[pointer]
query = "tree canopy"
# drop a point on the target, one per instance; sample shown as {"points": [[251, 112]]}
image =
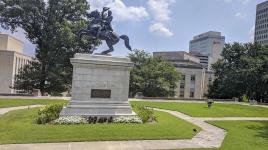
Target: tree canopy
{"points": [[52, 26], [153, 77], [243, 70]]}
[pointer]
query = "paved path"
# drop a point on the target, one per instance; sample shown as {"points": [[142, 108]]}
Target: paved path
{"points": [[264, 106], [210, 137], [232, 118], [36, 97], [5, 110]]}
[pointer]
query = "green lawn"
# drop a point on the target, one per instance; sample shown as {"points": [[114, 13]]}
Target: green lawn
{"points": [[217, 110], [19, 127], [243, 135], [24, 102]]}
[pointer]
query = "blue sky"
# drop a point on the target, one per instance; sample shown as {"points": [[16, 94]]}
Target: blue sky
{"points": [[169, 25]]}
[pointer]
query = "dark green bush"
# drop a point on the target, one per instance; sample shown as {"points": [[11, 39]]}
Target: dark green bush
{"points": [[244, 98], [146, 114], [49, 113]]}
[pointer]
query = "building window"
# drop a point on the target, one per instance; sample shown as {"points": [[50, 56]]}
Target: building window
{"points": [[192, 77], [182, 86], [182, 93], [182, 77], [191, 92], [192, 86]]}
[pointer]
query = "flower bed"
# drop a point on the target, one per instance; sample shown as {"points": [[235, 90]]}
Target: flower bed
{"points": [[126, 119], [70, 120]]}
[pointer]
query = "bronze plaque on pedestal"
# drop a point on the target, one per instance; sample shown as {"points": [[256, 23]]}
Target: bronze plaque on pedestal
{"points": [[100, 93]]}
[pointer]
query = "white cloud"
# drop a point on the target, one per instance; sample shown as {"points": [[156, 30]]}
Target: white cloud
{"points": [[121, 12], [251, 32], [160, 10], [160, 29], [241, 15], [98, 4]]}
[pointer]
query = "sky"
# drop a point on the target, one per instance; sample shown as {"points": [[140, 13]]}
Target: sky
{"points": [[169, 25]]}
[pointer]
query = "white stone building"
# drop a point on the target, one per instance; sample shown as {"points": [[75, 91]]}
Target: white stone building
{"points": [[195, 78], [11, 60], [195, 67]]}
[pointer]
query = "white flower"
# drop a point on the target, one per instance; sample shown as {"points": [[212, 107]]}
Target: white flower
{"points": [[127, 119], [70, 120]]}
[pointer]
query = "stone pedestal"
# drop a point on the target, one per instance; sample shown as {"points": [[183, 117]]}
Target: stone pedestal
{"points": [[100, 86]]}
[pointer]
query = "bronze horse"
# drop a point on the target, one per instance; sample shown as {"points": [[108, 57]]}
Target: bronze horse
{"points": [[100, 28], [111, 39]]}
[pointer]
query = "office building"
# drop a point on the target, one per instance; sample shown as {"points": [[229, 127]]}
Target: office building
{"points": [[195, 78], [11, 61], [261, 24], [207, 47]]}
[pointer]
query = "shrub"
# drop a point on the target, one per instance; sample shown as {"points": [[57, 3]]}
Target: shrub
{"points": [[244, 98], [70, 120], [146, 114], [125, 119], [49, 113]]}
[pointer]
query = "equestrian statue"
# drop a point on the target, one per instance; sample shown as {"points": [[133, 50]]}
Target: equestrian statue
{"points": [[100, 28]]}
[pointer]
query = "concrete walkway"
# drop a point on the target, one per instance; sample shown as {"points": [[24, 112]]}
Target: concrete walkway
{"points": [[210, 137], [5, 110], [232, 118], [36, 97], [264, 106]]}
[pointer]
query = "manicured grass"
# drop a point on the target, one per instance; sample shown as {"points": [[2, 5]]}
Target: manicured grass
{"points": [[19, 127], [243, 135], [24, 102], [217, 110]]}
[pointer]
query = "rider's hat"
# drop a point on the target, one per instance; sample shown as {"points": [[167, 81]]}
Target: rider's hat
{"points": [[106, 8]]}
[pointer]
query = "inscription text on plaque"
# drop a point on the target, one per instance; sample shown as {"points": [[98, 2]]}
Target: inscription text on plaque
{"points": [[100, 93]]}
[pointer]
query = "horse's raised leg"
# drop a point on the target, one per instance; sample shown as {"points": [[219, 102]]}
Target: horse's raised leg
{"points": [[111, 48]]}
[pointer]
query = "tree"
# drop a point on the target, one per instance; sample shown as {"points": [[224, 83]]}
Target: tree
{"points": [[52, 27], [154, 77], [25, 83], [243, 70]]}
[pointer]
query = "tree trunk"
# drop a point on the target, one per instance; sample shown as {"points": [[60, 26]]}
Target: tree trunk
{"points": [[42, 79], [43, 61]]}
